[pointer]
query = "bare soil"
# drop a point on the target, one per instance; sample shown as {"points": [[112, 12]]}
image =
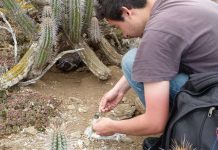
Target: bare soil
{"points": [[80, 93]]}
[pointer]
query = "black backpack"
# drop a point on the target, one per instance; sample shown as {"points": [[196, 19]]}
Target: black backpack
{"points": [[194, 115]]}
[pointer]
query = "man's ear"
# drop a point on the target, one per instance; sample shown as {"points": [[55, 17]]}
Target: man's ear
{"points": [[126, 12]]}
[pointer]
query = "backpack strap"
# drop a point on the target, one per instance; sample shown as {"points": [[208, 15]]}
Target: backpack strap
{"points": [[200, 81]]}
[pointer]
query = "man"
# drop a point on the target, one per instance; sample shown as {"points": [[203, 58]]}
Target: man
{"points": [[174, 33]]}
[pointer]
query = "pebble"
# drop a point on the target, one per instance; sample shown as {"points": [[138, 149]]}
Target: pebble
{"points": [[71, 107], [80, 144], [76, 100], [82, 109], [76, 135], [30, 130]]}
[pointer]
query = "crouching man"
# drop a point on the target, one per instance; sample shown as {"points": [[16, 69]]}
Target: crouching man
{"points": [[176, 35]]}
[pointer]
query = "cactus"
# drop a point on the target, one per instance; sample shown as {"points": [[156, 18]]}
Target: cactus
{"points": [[21, 18], [93, 63], [88, 14], [59, 141], [75, 20], [109, 51], [56, 9], [19, 71], [46, 41], [94, 30]]}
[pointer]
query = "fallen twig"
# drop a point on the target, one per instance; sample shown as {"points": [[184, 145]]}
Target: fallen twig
{"points": [[9, 29], [49, 66]]}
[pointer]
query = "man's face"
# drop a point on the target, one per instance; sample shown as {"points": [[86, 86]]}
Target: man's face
{"points": [[133, 22], [129, 30]]}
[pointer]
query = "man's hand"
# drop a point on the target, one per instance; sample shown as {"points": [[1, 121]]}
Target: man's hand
{"points": [[103, 127], [110, 100]]}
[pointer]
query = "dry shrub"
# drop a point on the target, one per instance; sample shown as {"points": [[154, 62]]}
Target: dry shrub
{"points": [[24, 109]]}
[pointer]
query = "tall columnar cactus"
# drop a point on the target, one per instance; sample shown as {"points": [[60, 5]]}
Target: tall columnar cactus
{"points": [[46, 41], [56, 10], [94, 30], [88, 14], [25, 22], [59, 141], [75, 20]]}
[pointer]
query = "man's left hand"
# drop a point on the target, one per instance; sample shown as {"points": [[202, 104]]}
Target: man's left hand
{"points": [[103, 127]]}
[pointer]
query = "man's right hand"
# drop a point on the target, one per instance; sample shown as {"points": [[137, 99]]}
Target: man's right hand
{"points": [[110, 100]]}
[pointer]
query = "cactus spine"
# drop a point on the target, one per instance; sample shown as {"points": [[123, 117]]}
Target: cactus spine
{"points": [[22, 19], [59, 141]]}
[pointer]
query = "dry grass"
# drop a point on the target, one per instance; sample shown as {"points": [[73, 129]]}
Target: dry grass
{"points": [[184, 145]]}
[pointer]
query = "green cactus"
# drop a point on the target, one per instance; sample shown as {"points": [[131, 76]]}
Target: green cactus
{"points": [[46, 41], [59, 141], [88, 14], [56, 9], [75, 20], [94, 30], [25, 22]]}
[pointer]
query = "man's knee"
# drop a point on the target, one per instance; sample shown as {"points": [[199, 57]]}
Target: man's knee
{"points": [[128, 59]]}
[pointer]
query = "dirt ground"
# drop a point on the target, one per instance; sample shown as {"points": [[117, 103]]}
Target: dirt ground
{"points": [[80, 92]]}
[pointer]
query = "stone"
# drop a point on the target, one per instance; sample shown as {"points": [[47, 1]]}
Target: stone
{"points": [[122, 111], [30, 130], [76, 135], [71, 107], [82, 109]]}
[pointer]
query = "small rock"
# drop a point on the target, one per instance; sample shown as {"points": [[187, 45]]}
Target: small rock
{"points": [[87, 142], [30, 130], [76, 135], [75, 100], [80, 143], [71, 107], [122, 111], [82, 109]]}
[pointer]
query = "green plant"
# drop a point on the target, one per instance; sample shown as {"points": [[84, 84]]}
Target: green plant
{"points": [[46, 41], [25, 22], [59, 141], [3, 96]]}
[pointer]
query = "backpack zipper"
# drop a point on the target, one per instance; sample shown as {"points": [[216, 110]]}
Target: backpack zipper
{"points": [[210, 112]]}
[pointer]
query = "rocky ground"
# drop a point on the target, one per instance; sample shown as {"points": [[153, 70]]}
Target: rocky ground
{"points": [[80, 93]]}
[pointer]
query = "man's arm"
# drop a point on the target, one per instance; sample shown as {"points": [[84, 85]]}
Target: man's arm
{"points": [[153, 121]]}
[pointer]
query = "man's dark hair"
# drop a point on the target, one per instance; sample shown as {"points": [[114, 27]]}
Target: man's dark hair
{"points": [[111, 9]]}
